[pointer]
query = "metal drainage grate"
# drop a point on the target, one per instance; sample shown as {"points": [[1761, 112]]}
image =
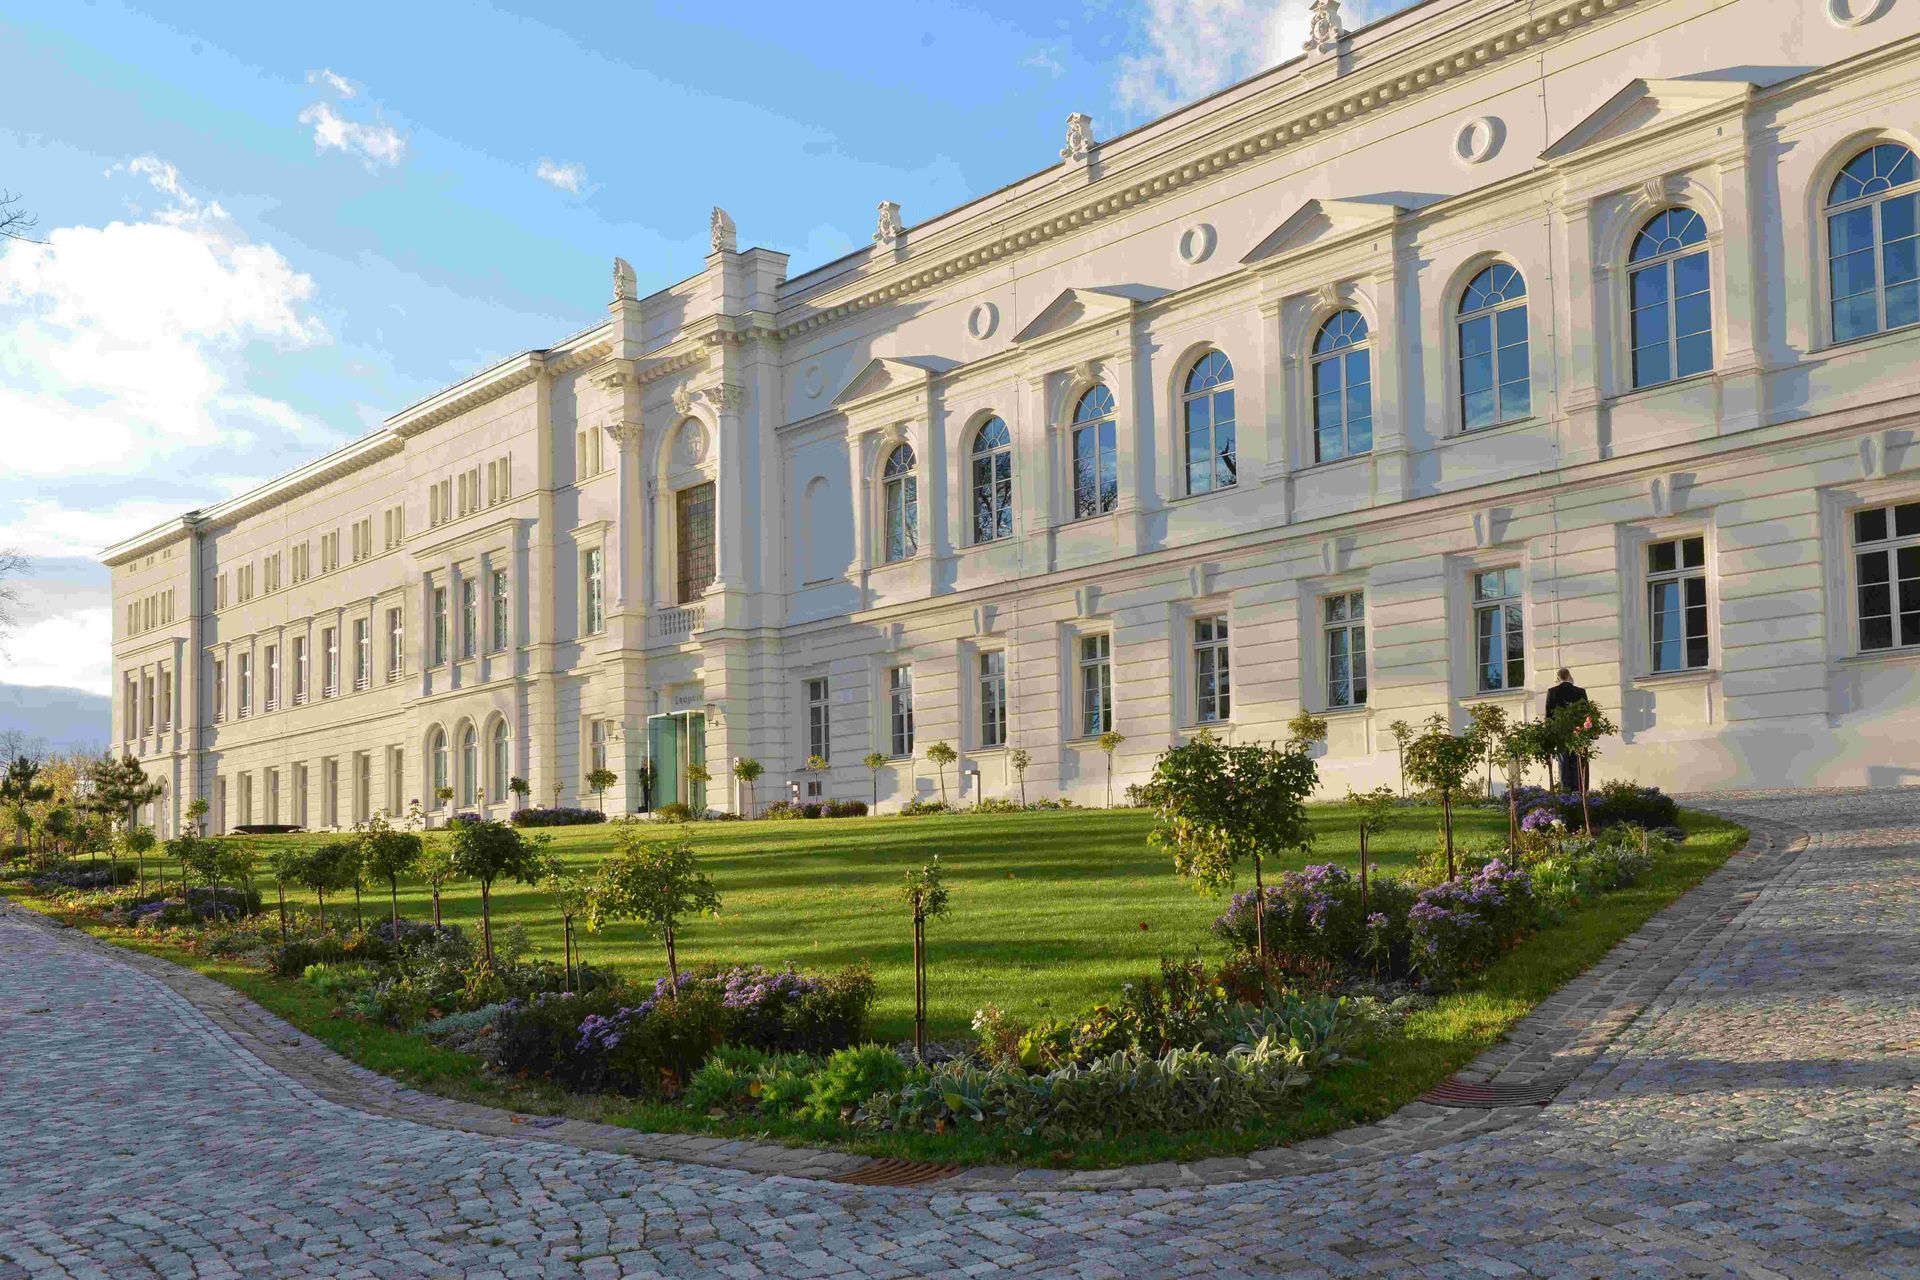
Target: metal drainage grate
{"points": [[1503, 1093], [889, 1172]]}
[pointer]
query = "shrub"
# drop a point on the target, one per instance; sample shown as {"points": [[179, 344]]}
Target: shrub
{"points": [[782, 811], [658, 1052], [557, 817], [338, 979], [106, 875], [737, 1080], [916, 808], [1614, 804], [846, 809], [996, 804], [852, 1076], [1317, 930], [541, 1037], [674, 812], [292, 960], [1461, 925]]}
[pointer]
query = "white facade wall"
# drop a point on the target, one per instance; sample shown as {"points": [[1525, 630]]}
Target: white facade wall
{"points": [[1381, 176]]}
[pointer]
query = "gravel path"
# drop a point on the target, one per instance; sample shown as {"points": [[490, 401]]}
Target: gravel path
{"points": [[1747, 1103]]}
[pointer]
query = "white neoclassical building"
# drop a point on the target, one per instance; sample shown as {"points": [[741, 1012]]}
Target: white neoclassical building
{"points": [[1493, 338]]}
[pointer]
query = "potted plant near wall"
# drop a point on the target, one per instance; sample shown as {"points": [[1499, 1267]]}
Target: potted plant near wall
{"points": [[520, 788], [747, 771]]}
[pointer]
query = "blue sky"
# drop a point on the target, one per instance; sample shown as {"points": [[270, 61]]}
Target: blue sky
{"points": [[268, 227]]}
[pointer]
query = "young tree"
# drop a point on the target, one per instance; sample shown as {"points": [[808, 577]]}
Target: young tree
{"points": [[697, 776], [600, 782], [1443, 760], [1524, 742], [388, 852], [942, 754], [196, 814], [1306, 729], [488, 851], [1109, 742], [1020, 759], [748, 770], [139, 842], [1578, 728], [570, 892], [1217, 805], [235, 867], [657, 885], [1487, 726], [1402, 735], [875, 762], [1372, 809], [120, 787], [925, 894], [815, 767], [520, 787], [21, 787], [332, 867], [436, 867], [285, 866], [443, 796]]}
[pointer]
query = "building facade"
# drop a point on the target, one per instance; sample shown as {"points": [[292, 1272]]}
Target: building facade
{"points": [[1491, 339]]}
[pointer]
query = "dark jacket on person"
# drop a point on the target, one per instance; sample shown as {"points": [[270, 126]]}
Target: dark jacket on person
{"points": [[1564, 694]]}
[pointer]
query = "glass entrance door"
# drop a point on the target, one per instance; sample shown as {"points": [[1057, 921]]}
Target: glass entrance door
{"points": [[676, 742]]}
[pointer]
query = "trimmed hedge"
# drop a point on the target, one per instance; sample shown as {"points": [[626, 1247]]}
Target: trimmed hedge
{"points": [[561, 817]]}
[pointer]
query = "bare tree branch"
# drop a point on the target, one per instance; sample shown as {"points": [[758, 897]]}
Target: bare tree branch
{"points": [[12, 566], [16, 222]]}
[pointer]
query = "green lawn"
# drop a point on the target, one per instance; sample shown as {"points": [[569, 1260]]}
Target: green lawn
{"points": [[821, 893], [1051, 912]]}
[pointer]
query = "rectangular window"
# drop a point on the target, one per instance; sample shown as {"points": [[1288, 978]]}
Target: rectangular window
{"points": [[469, 617], [330, 792], [362, 786], [396, 779], [693, 541], [1677, 604], [273, 676], [595, 584], [272, 780], [299, 795], [299, 670], [362, 653], [597, 751], [1886, 565], [219, 690], [819, 720], [1499, 630], [147, 696], [245, 675], [1346, 648], [329, 663], [1096, 685], [439, 625], [1212, 696], [1096, 469], [993, 699], [166, 701], [499, 594], [220, 592], [396, 641], [900, 710]]}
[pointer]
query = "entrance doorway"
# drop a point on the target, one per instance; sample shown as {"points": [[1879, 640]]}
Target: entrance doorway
{"points": [[677, 741]]}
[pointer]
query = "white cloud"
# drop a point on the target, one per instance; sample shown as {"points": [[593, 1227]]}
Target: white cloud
{"points": [[1189, 48], [1043, 60], [122, 346], [73, 650], [42, 528], [375, 144], [567, 177], [334, 81]]}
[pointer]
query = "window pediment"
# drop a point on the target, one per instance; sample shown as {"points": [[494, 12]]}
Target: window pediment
{"points": [[884, 374], [1645, 104], [1319, 220], [1078, 306]]}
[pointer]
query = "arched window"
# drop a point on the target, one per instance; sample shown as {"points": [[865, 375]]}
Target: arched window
{"points": [[992, 481], [437, 753], [1206, 416], [1096, 469], [469, 767], [1670, 298], [1342, 388], [1494, 384], [900, 499], [1873, 258], [502, 763]]}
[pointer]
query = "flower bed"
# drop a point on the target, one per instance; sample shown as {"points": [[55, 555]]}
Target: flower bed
{"points": [[557, 817]]}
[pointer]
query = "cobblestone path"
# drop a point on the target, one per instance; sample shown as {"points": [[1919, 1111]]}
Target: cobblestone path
{"points": [[1759, 1117]]}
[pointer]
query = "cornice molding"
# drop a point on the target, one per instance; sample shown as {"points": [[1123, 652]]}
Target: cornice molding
{"points": [[1335, 105]]}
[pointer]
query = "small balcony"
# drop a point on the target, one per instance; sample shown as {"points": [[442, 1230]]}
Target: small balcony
{"points": [[680, 622]]}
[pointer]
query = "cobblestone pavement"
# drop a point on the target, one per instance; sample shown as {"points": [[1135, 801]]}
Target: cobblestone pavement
{"points": [[1757, 1115]]}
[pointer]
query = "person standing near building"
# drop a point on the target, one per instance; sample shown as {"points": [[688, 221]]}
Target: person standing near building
{"points": [[1565, 694]]}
